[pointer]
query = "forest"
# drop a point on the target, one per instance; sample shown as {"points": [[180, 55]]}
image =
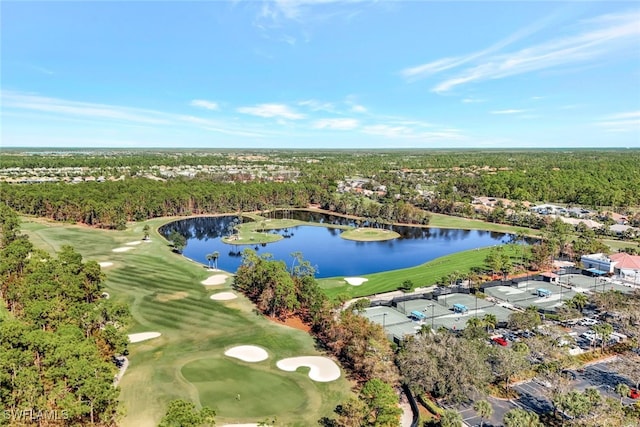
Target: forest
{"points": [[59, 340], [432, 181]]}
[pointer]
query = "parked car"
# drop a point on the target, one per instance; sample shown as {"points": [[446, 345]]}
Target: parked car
{"points": [[634, 393], [588, 322], [499, 340]]}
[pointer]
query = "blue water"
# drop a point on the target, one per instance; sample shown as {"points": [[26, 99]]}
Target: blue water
{"points": [[327, 252]]}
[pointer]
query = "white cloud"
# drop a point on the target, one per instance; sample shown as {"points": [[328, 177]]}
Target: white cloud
{"points": [[621, 122], [272, 110], [336, 124], [509, 111], [42, 108], [315, 105], [472, 100], [394, 131], [32, 102], [209, 105], [359, 108], [443, 64], [602, 36]]}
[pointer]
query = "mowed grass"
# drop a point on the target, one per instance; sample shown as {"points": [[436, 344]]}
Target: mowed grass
{"points": [[369, 234], [188, 360], [423, 275], [447, 221]]}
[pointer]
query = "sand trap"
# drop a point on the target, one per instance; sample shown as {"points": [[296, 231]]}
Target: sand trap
{"points": [[147, 241], [123, 249], [355, 281], [143, 336], [106, 295], [172, 297], [247, 353], [104, 264], [137, 242], [223, 296], [321, 369], [216, 279]]}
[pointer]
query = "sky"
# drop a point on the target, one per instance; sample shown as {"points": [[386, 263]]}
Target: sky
{"points": [[320, 74]]}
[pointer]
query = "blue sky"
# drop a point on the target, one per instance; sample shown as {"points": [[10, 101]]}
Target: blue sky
{"points": [[320, 73]]}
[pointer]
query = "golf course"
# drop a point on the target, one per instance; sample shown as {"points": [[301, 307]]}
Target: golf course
{"points": [[165, 294]]}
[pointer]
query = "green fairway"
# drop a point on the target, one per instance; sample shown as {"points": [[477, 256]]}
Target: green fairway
{"points": [[447, 221], [164, 293], [423, 275]]}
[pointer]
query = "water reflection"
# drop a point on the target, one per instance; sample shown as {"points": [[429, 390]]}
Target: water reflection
{"points": [[323, 247]]}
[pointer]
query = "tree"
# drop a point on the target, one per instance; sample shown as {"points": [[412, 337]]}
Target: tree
{"points": [[484, 410], [181, 413], [451, 418], [214, 256], [382, 404], [490, 321], [145, 230], [604, 330], [528, 320], [178, 241], [520, 418], [573, 404], [622, 390], [508, 362]]}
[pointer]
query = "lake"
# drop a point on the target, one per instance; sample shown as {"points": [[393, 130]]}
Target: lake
{"points": [[323, 247]]}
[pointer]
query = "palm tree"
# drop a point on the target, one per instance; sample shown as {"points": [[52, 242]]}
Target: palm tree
{"points": [[215, 257], [579, 301], [209, 259], [490, 321], [474, 322], [604, 330], [145, 230], [484, 409], [451, 418], [623, 390], [520, 418]]}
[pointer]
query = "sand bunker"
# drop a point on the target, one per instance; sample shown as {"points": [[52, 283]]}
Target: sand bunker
{"points": [[122, 249], [247, 353], [223, 296], [172, 297], [104, 264], [216, 279], [355, 281], [321, 369], [137, 242], [143, 336]]}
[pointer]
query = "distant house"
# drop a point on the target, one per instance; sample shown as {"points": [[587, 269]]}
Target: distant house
{"points": [[546, 209]]}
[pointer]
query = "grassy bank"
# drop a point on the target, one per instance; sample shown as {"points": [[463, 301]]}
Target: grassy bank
{"points": [[423, 275], [164, 293]]}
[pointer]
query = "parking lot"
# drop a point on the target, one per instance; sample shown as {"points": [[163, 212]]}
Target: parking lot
{"points": [[535, 396]]}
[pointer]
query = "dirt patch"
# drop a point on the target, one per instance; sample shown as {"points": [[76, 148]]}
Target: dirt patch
{"points": [[172, 297], [293, 322]]}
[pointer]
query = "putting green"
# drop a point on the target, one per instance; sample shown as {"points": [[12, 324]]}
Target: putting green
{"points": [[219, 383], [369, 234]]}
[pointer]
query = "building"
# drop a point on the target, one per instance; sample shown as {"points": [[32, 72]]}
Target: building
{"points": [[627, 266], [600, 262]]}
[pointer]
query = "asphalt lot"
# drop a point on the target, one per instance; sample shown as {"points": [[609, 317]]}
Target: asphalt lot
{"points": [[533, 395]]}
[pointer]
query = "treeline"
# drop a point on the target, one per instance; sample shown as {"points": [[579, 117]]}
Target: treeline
{"points": [[360, 345], [59, 338], [416, 182], [111, 204]]}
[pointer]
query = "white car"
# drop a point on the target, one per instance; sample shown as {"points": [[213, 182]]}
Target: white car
{"points": [[588, 322]]}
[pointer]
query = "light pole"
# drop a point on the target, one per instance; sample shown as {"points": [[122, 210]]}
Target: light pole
{"points": [[432, 306], [384, 317]]}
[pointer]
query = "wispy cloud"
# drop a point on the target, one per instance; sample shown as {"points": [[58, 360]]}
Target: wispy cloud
{"points": [[509, 111], [209, 105], [621, 122], [408, 132], [42, 107], [280, 111], [437, 66], [315, 105], [359, 108], [336, 124], [31, 102], [472, 100], [604, 35]]}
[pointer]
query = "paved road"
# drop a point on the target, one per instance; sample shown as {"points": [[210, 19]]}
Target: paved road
{"points": [[500, 407]]}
